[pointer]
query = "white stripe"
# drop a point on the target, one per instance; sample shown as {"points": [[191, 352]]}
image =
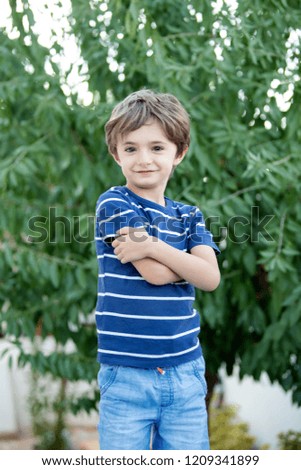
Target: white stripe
{"points": [[201, 225], [150, 209], [107, 255], [153, 356], [142, 297], [173, 217], [113, 235], [121, 276], [109, 235], [182, 205], [116, 215], [168, 231], [146, 317], [129, 335], [110, 199]]}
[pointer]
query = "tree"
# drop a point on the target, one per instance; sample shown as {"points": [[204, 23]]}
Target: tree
{"points": [[236, 68]]}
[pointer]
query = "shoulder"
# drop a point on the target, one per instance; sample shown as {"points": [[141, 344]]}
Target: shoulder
{"points": [[116, 194], [114, 191], [183, 208]]}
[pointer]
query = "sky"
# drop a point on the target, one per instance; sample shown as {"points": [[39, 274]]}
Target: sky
{"points": [[52, 24]]}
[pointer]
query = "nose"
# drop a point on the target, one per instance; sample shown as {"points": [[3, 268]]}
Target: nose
{"points": [[144, 157]]}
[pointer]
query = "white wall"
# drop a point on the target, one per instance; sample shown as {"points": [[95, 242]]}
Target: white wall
{"points": [[266, 408], [14, 415], [8, 423]]}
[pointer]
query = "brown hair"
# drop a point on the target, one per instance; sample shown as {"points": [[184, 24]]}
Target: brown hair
{"points": [[141, 106]]}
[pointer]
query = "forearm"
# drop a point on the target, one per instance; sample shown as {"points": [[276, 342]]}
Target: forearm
{"points": [[193, 269], [131, 246], [155, 272], [199, 267]]}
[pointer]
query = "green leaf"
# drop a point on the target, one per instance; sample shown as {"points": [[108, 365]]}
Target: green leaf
{"points": [[54, 274]]}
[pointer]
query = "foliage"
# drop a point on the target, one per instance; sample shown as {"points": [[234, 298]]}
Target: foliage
{"points": [[230, 64], [290, 440], [227, 432], [48, 415]]}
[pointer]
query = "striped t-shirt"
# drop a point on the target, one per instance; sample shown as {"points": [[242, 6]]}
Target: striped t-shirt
{"points": [[140, 324]]}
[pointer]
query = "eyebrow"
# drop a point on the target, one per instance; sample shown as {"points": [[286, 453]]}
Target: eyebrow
{"points": [[135, 143]]}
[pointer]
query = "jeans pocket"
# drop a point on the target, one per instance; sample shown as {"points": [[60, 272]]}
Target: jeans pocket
{"points": [[106, 377], [199, 372]]}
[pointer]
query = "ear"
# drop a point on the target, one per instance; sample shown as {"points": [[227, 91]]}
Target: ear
{"points": [[180, 157], [116, 158]]}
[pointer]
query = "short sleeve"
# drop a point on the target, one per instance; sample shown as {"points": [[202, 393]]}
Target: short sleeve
{"points": [[113, 213], [198, 233]]}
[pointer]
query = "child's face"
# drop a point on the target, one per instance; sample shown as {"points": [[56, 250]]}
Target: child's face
{"points": [[147, 158]]}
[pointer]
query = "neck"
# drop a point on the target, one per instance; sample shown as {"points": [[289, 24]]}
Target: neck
{"points": [[156, 196]]}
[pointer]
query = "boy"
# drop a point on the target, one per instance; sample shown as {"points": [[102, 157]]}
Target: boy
{"points": [[152, 252]]}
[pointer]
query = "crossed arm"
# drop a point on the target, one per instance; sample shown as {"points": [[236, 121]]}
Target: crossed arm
{"points": [[160, 263]]}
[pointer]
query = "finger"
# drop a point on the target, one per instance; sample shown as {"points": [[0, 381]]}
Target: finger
{"points": [[120, 257], [117, 251], [123, 231], [115, 243]]}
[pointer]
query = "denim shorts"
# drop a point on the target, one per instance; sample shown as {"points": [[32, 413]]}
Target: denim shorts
{"points": [[144, 409]]}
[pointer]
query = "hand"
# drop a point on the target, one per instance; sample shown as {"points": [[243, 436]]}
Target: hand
{"points": [[132, 244]]}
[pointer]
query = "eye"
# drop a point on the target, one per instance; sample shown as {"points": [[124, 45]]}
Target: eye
{"points": [[157, 148], [129, 149]]}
